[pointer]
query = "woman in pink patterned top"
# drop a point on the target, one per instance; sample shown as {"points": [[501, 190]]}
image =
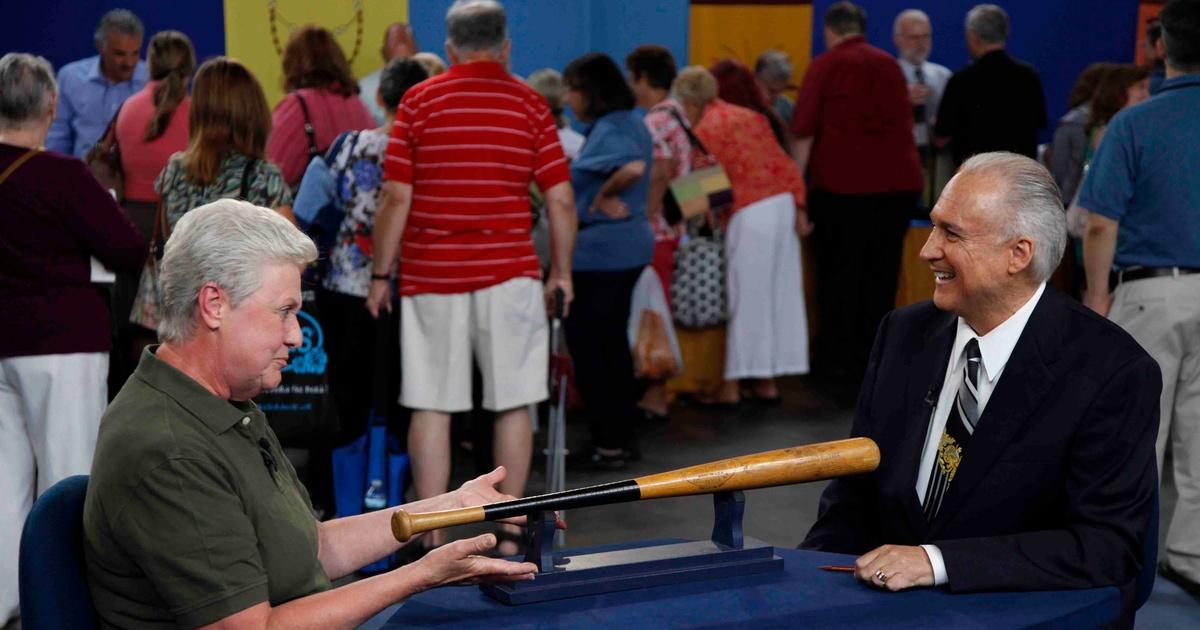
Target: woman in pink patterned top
{"points": [[651, 71], [767, 333]]}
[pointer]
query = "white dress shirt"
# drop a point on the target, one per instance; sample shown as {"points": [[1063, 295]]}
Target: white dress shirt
{"points": [[995, 348], [936, 78]]}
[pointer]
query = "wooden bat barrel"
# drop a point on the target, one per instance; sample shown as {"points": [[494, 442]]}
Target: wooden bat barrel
{"points": [[797, 464]]}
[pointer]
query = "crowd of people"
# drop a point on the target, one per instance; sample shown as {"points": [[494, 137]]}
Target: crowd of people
{"points": [[431, 168]]}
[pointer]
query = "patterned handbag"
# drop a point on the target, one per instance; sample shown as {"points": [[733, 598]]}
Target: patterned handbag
{"points": [[144, 312], [698, 298], [145, 303], [704, 189]]}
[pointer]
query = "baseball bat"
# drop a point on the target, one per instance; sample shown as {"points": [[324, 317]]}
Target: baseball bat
{"points": [[812, 462]]}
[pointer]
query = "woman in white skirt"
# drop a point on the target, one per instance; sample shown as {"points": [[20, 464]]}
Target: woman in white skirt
{"points": [[767, 334]]}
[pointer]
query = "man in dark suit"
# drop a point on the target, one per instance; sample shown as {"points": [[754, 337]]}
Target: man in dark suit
{"points": [[994, 104], [1016, 427]]}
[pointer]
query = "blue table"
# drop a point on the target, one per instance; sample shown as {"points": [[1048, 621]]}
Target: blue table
{"points": [[802, 595]]}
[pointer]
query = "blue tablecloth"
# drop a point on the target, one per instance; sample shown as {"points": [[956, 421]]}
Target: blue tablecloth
{"points": [[800, 595]]}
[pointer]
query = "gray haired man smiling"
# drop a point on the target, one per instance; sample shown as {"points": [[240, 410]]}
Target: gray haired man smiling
{"points": [[1016, 426]]}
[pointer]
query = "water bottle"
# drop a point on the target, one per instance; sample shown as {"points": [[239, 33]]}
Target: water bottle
{"points": [[374, 499]]}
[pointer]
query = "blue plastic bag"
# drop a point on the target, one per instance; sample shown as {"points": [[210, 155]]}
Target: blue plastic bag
{"points": [[370, 473]]}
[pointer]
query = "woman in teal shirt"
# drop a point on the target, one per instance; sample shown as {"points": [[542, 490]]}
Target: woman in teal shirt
{"points": [[615, 243]]}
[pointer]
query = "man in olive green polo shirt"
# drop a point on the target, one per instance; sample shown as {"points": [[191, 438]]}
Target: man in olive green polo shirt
{"points": [[193, 516]]}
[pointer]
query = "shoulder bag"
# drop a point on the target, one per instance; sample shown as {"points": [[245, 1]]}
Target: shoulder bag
{"points": [[104, 160], [16, 164], [144, 312], [319, 206], [701, 190]]}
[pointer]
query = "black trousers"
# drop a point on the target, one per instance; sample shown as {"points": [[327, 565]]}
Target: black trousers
{"points": [[364, 374], [121, 359], [364, 361], [857, 243], [599, 343]]}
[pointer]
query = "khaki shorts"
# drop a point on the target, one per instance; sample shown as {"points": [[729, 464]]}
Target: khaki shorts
{"points": [[503, 327]]}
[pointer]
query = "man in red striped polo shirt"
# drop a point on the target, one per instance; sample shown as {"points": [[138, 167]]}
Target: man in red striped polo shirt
{"points": [[464, 148]]}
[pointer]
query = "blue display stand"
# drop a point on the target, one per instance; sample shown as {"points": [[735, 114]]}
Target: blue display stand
{"points": [[562, 575]]}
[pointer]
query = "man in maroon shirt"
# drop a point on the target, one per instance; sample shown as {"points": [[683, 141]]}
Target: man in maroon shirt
{"points": [[853, 124]]}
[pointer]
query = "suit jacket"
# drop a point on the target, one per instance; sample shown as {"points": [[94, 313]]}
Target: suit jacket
{"points": [[1056, 487], [994, 104]]}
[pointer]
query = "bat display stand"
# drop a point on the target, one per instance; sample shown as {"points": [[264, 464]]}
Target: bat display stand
{"points": [[563, 575]]}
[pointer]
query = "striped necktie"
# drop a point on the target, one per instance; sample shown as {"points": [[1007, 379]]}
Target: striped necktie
{"points": [[960, 425]]}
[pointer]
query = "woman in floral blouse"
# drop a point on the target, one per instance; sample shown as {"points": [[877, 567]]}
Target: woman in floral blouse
{"points": [[228, 127], [767, 333], [352, 337]]}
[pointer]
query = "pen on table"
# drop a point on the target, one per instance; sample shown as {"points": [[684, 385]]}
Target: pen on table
{"points": [[837, 567]]}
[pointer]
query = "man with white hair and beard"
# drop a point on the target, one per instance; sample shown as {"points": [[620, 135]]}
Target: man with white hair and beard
{"points": [[1016, 427], [912, 33]]}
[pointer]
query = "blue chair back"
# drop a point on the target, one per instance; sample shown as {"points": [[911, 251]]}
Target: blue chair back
{"points": [[52, 579], [1145, 579]]}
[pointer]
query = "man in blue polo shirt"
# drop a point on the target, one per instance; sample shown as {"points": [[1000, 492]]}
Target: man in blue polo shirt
{"points": [[1143, 191], [91, 90]]}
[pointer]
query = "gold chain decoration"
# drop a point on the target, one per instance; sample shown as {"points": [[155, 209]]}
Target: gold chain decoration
{"points": [[275, 15]]}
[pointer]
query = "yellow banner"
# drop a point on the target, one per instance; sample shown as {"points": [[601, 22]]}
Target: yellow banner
{"points": [[744, 31], [256, 32]]}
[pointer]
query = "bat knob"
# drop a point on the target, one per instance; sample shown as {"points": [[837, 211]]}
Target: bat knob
{"points": [[402, 526]]}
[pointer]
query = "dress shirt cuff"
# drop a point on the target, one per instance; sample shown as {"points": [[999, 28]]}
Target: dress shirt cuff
{"points": [[939, 565]]}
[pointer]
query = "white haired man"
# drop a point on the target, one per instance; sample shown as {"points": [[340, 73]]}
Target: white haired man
{"points": [[912, 32], [464, 148], [1016, 426], [193, 516]]}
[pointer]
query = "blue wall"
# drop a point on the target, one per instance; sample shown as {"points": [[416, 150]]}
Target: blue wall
{"points": [[550, 33], [545, 33], [61, 30], [1059, 37]]}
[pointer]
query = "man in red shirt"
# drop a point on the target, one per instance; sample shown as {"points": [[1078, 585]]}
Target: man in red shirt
{"points": [[854, 119], [463, 150]]}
